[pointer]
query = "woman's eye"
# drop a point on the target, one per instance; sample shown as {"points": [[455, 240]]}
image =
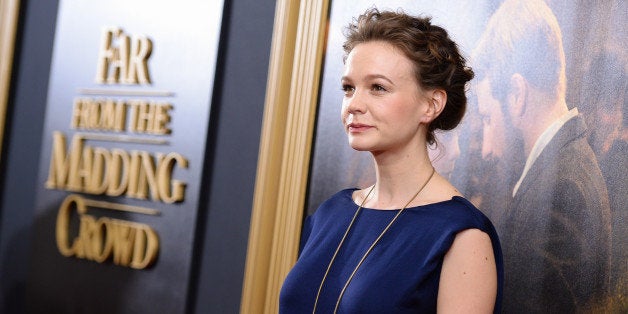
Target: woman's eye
{"points": [[347, 88], [378, 88]]}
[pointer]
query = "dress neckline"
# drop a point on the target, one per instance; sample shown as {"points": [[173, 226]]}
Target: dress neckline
{"points": [[350, 191]]}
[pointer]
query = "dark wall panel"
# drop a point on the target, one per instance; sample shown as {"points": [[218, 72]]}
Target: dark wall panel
{"points": [[23, 136], [233, 145], [239, 104]]}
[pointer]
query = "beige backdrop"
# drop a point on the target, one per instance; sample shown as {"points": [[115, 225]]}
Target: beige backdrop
{"points": [[592, 35]]}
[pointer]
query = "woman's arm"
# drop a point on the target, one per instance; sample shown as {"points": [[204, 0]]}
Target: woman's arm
{"points": [[468, 279]]}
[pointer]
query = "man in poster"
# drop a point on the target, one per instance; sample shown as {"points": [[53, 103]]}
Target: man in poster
{"points": [[555, 232]]}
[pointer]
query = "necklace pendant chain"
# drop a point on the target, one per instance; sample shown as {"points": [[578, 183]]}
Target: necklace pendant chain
{"points": [[368, 251]]}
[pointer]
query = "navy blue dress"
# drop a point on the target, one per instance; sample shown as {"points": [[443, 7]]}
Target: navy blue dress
{"points": [[400, 275]]}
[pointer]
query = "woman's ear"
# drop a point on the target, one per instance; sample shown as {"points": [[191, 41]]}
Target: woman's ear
{"points": [[436, 101]]}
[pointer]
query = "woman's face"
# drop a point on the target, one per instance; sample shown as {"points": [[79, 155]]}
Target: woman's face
{"points": [[383, 106]]}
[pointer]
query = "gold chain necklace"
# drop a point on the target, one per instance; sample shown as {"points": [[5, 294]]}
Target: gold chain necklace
{"points": [[344, 288]]}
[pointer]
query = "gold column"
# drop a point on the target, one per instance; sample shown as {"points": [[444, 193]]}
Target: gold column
{"points": [[8, 23], [284, 158]]}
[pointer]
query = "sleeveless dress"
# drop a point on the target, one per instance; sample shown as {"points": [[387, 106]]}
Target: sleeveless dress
{"points": [[402, 272]]}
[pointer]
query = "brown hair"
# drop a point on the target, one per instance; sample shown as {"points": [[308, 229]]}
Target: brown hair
{"points": [[437, 61]]}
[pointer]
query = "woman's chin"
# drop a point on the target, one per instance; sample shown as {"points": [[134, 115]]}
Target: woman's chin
{"points": [[361, 147]]}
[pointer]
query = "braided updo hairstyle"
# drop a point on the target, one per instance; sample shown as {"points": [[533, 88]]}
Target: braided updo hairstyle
{"points": [[437, 61]]}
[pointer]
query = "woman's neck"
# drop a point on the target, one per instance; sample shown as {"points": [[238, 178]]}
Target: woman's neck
{"points": [[398, 177]]}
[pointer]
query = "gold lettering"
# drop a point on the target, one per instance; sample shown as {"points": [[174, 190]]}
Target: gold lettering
{"points": [[64, 172], [96, 170], [119, 116], [111, 55], [151, 118], [118, 176], [138, 66], [123, 61], [162, 119], [134, 174], [63, 225], [80, 179], [165, 181], [142, 120], [99, 114], [101, 243], [124, 237], [84, 238], [127, 243], [119, 61], [146, 177], [59, 164], [105, 54], [97, 183], [145, 247], [79, 115]]}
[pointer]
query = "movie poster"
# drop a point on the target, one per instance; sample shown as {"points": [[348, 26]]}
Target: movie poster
{"points": [[120, 176], [549, 171]]}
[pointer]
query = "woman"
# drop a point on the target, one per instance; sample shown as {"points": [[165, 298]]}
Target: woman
{"points": [[410, 242]]}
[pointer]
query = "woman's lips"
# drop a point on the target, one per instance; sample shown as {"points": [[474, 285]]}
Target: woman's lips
{"points": [[357, 127]]}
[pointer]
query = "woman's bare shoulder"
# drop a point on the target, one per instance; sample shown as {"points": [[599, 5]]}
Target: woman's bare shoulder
{"points": [[439, 190], [468, 277]]}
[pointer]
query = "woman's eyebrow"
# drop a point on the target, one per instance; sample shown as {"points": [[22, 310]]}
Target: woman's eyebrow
{"points": [[369, 77]]}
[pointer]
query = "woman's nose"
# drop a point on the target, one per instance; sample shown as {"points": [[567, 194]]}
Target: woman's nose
{"points": [[355, 103]]}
